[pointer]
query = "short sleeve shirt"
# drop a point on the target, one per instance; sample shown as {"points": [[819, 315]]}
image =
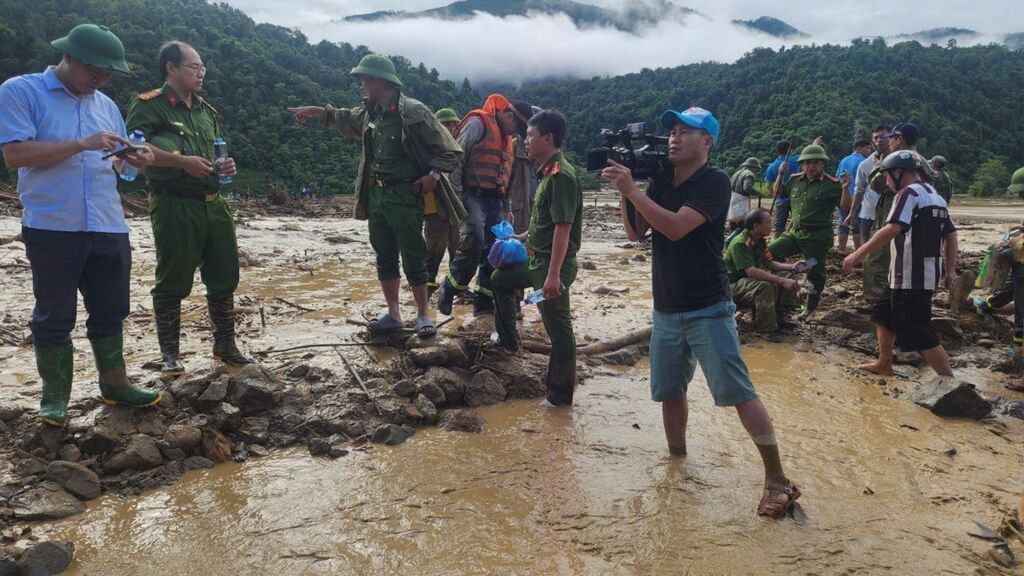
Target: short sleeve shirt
{"points": [[744, 252], [814, 201], [772, 172], [915, 260], [77, 194], [689, 274], [850, 165], [559, 199]]}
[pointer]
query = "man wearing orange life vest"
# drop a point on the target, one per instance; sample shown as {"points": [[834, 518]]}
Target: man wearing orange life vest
{"points": [[486, 139]]}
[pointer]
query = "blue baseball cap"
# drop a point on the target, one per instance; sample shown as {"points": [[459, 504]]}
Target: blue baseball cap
{"points": [[695, 117]]}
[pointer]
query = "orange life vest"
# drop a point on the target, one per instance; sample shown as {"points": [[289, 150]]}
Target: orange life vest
{"points": [[489, 164]]}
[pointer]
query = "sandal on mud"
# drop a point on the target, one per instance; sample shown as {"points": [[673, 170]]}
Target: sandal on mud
{"points": [[383, 325], [425, 328], [1015, 385], [777, 508]]}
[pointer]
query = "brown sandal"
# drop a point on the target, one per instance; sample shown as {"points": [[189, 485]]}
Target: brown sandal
{"points": [[777, 508]]}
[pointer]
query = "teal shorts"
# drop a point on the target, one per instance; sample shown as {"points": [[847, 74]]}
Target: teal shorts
{"points": [[707, 337]]}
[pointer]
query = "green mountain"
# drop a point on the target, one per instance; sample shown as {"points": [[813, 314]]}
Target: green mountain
{"points": [[1015, 41], [938, 35], [633, 18], [772, 27], [255, 72], [965, 100]]}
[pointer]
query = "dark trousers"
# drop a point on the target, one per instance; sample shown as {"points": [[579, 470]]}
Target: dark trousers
{"points": [[1012, 291], [485, 209], [556, 314], [779, 219], [65, 263]]}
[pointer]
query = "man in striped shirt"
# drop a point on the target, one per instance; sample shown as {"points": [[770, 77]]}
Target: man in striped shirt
{"points": [[923, 239]]}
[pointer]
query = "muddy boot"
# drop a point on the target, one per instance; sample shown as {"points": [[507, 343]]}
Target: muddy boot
{"points": [[446, 297], [168, 334], [114, 384], [222, 316], [56, 369], [960, 291], [809, 306]]}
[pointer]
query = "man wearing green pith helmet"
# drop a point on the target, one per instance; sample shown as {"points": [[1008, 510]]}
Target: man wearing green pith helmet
{"points": [[57, 129]]}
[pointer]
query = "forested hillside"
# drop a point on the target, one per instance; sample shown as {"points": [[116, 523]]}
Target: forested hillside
{"points": [[255, 72]]}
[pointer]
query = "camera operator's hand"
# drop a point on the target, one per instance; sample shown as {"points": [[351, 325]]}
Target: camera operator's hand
{"points": [[619, 176]]}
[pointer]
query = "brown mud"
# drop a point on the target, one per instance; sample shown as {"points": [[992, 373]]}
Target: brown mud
{"points": [[889, 487]]}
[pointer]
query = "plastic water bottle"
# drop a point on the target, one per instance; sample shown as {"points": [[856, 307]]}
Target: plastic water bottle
{"points": [[129, 172], [220, 153], [537, 296]]}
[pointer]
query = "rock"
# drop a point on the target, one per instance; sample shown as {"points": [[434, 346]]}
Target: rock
{"points": [[173, 454], [411, 412], [351, 428], [949, 397], [606, 290], [461, 421], [404, 388], [947, 327], [247, 260], [588, 265], [258, 451], [190, 387], [184, 436], [376, 383], [392, 434], [433, 393], [1014, 408], [484, 389], [639, 258], [318, 446], [9, 568], [339, 239], [430, 356], [627, 356], [10, 412], [226, 417], [251, 390], [198, 463], [69, 453], [47, 558], [215, 446], [141, 453], [453, 386], [426, 408], [40, 503], [337, 452], [986, 342], [298, 371], [842, 317], [75, 478], [98, 441], [214, 394], [45, 437], [254, 430]]}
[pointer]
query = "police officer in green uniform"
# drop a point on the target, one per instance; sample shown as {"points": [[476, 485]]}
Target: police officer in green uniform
{"points": [[552, 240], [406, 155], [815, 196], [192, 224], [943, 181], [750, 267]]}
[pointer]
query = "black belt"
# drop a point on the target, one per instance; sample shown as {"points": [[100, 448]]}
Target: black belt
{"points": [[197, 195], [390, 183]]}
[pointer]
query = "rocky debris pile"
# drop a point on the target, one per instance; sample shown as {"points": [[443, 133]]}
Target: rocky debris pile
{"points": [[37, 559]]}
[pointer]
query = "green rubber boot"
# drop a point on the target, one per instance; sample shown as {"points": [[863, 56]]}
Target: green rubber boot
{"points": [[114, 385], [56, 368]]}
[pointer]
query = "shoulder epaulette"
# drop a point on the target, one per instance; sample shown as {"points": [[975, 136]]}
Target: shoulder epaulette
{"points": [[147, 96], [798, 175], [207, 104], [553, 170]]}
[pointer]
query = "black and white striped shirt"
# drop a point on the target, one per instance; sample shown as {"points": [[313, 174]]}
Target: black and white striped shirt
{"points": [[915, 261]]}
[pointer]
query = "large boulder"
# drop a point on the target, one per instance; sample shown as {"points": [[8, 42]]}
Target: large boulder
{"points": [[842, 317], [392, 434], [433, 393], [141, 453], [45, 503], [75, 478], [949, 397], [251, 390], [453, 385], [98, 441], [46, 558], [484, 389]]}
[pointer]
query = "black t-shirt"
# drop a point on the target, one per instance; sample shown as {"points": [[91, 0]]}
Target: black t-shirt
{"points": [[689, 274]]}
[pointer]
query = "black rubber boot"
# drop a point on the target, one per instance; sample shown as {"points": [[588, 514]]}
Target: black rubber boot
{"points": [[168, 334], [222, 316]]}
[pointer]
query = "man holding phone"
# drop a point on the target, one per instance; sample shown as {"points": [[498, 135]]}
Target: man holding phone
{"points": [[73, 226], [192, 224]]}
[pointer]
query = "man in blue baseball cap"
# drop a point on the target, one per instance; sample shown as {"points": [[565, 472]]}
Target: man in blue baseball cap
{"points": [[685, 208]]}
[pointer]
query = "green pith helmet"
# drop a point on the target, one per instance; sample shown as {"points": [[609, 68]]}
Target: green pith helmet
{"points": [[752, 163], [1017, 182], [94, 45], [939, 161], [812, 152], [445, 115], [377, 66]]}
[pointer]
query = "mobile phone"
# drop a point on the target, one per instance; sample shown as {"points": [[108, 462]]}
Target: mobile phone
{"points": [[122, 151]]}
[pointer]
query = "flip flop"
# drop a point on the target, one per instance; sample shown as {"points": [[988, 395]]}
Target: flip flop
{"points": [[425, 328], [775, 508], [1015, 385], [384, 325]]}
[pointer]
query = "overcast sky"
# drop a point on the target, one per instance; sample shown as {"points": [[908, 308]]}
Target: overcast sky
{"points": [[538, 46]]}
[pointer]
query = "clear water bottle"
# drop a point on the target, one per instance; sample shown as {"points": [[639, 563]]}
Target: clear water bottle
{"points": [[127, 171], [220, 154], [537, 296]]}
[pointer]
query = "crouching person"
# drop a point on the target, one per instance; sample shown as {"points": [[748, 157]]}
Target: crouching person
{"points": [[553, 239]]}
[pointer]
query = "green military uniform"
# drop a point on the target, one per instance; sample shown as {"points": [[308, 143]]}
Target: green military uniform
{"points": [[439, 232], [768, 300], [813, 203], [944, 185], [400, 144], [192, 224], [559, 198]]}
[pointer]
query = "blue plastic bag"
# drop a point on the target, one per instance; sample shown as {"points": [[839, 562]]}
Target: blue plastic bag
{"points": [[507, 250]]}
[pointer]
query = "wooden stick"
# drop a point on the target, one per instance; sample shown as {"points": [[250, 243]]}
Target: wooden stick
{"points": [[294, 305], [616, 343], [359, 381], [304, 346]]}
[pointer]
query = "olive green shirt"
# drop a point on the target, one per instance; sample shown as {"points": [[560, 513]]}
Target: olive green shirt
{"points": [[173, 126], [813, 201], [877, 182], [388, 158], [559, 198], [744, 252]]}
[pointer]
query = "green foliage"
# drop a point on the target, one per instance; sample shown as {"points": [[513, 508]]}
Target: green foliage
{"points": [[771, 26], [991, 179], [255, 72], [966, 100]]}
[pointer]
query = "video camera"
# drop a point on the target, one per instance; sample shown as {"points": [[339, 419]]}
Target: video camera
{"points": [[644, 162]]}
